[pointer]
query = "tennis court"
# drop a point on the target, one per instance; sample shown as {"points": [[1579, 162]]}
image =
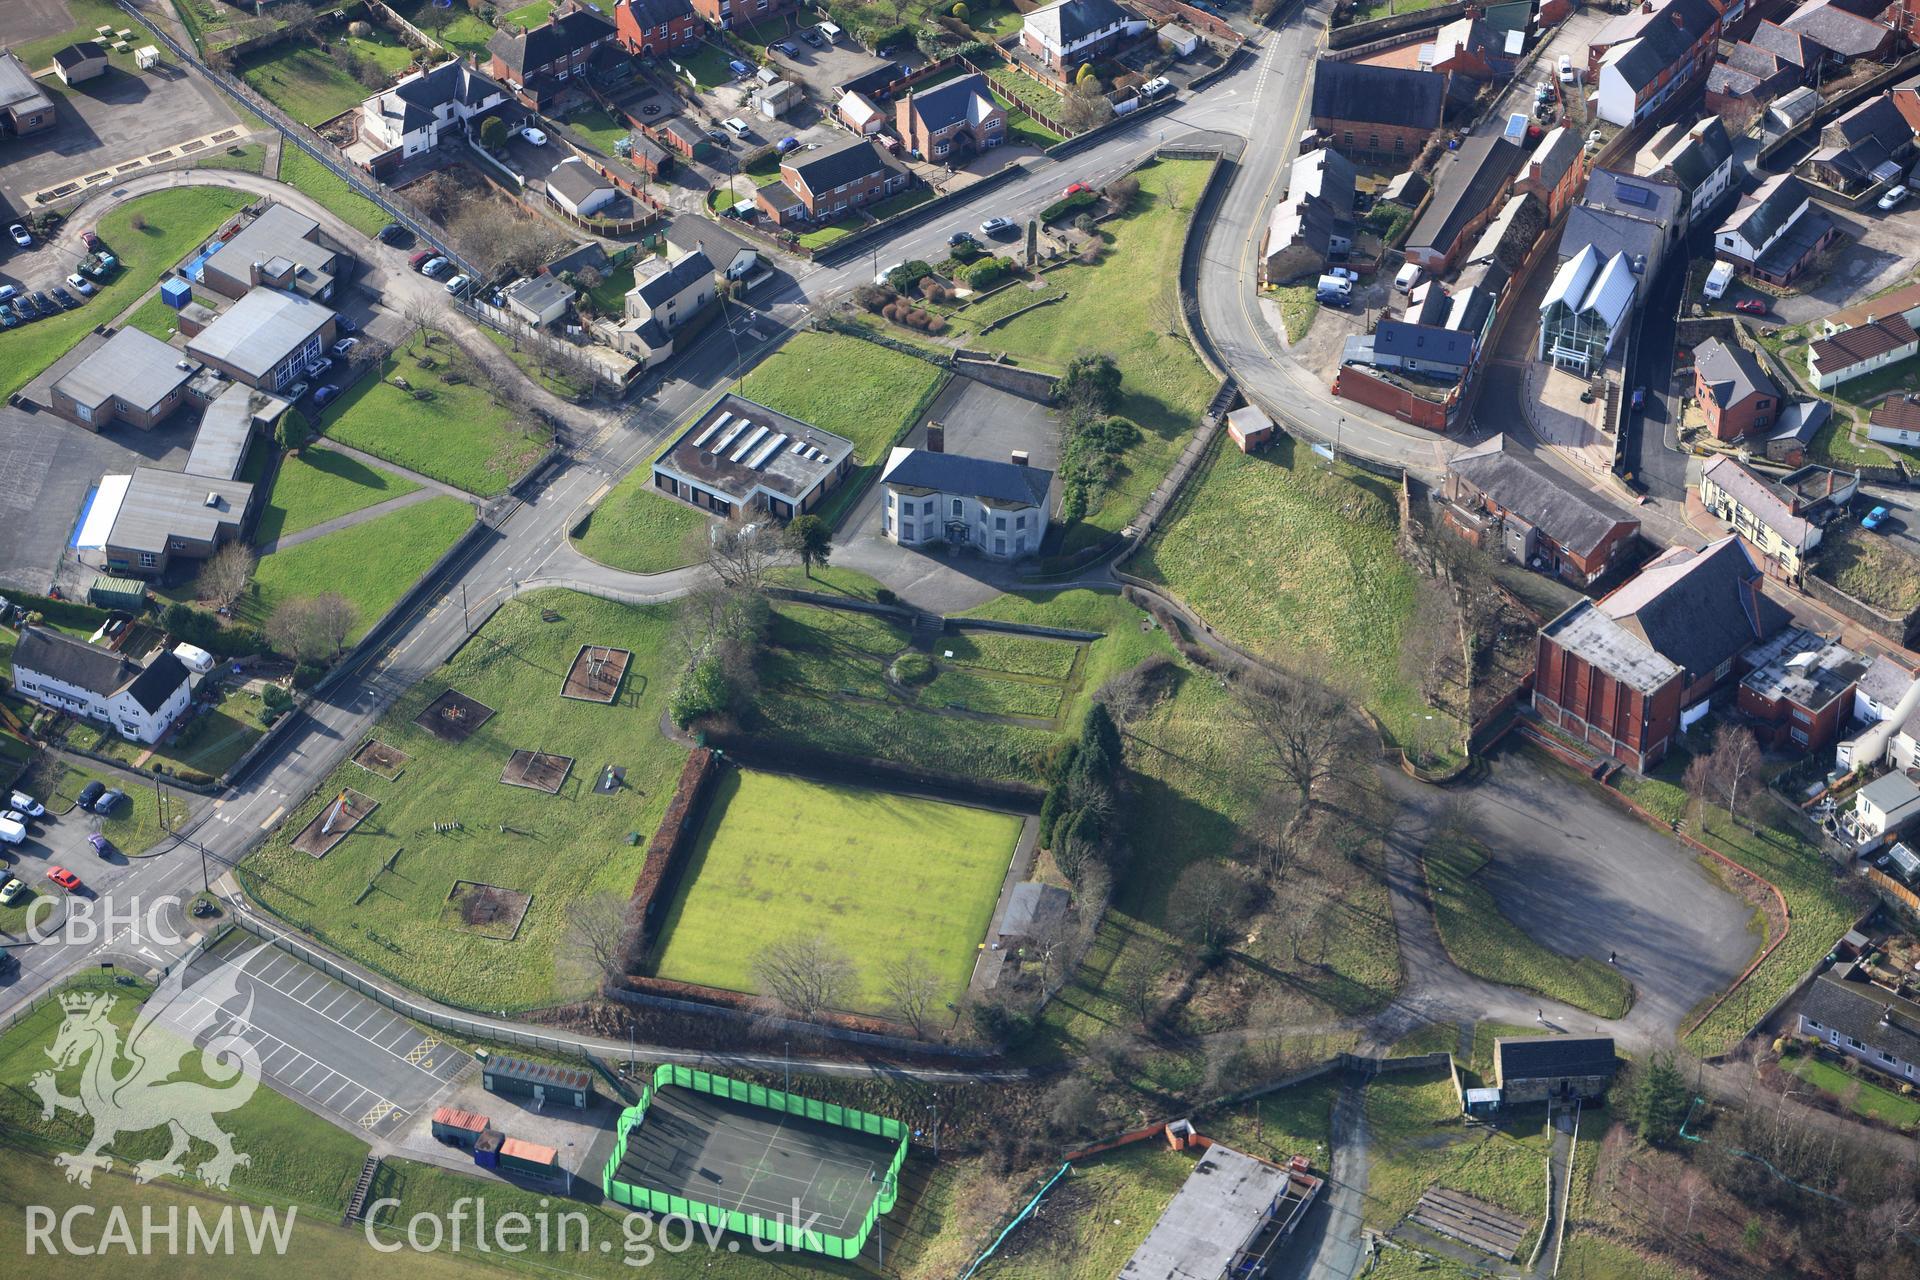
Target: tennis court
{"points": [[752, 1160]]}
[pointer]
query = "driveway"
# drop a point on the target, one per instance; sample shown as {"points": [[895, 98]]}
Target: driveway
{"points": [[1585, 878]]}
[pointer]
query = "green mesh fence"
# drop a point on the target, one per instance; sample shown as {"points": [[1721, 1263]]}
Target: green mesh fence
{"points": [[789, 1234]]}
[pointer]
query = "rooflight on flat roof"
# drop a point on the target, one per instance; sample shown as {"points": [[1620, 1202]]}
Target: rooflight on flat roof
{"points": [[753, 438], [700, 441], [727, 436], [767, 451]]}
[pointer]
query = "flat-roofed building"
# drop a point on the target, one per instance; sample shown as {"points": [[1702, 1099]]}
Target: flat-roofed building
{"points": [[132, 377], [283, 248], [1226, 1220], [739, 457], [168, 514], [228, 428], [1801, 689], [268, 339]]}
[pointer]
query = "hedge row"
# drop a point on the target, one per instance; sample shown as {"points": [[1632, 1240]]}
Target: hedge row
{"points": [[66, 613], [747, 1002], [670, 840]]}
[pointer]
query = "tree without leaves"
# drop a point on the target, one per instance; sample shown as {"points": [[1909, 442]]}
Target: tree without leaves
{"points": [[1073, 1106], [299, 21], [419, 313], [1209, 899], [1304, 728], [1729, 772], [811, 539], [805, 975], [334, 617], [913, 990], [597, 938], [741, 555], [225, 575]]}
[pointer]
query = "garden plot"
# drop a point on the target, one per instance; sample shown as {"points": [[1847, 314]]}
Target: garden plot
{"points": [[334, 823], [454, 717], [537, 771], [486, 909], [1472, 1222], [380, 759], [596, 674]]}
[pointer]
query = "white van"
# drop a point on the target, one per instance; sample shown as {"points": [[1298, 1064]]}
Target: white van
{"points": [[12, 832], [1335, 289], [1718, 279], [1407, 277]]}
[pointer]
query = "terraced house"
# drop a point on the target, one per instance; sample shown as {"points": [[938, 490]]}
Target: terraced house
{"points": [[1782, 521], [536, 64], [650, 28], [1639, 61], [141, 703], [728, 14]]}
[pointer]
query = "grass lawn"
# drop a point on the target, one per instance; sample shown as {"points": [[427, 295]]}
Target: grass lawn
{"points": [[911, 198], [317, 485], [707, 63], [1870, 567], [1593, 1257], [200, 750], [465, 32], [88, 16], [866, 392], [449, 427], [1096, 1216], [558, 848], [174, 223], [304, 81], [250, 158], [642, 531], [1485, 943], [1017, 84], [561, 382], [610, 295], [599, 128], [528, 15], [883, 875], [302, 172], [1297, 562], [1164, 387], [1024, 128], [1299, 304], [1416, 1140], [371, 564], [1874, 1099], [155, 317], [1835, 446], [840, 229]]}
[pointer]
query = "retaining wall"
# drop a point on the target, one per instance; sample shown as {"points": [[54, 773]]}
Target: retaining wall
{"points": [[1028, 384]]}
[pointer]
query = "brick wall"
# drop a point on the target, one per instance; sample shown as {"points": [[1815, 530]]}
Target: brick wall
{"points": [[1355, 383]]}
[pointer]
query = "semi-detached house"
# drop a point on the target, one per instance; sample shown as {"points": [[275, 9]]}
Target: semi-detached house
{"points": [[1869, 1024], [68, 674], [411, 117], [537, 63], [650, 28], [1068, 33]]}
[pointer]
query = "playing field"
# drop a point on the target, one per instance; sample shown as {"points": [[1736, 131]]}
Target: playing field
{"points": [[880, 875]]}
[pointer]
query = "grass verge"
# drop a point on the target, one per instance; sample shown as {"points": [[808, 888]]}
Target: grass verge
{"points": [[303, 173]]}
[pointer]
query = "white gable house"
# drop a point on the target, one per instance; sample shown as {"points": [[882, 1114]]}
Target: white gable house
{"points": [[71, 675], [411, 116], [1000, 509]]}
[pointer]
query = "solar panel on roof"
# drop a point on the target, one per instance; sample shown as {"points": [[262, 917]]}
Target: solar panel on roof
{"points": [[767, 451], [700, 441], [1634, 195], [747, 442]]}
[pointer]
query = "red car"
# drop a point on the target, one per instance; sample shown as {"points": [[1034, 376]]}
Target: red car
{"points": [[64, 878], [93, 242], [1075, 190], [420, 258], [1752, 306]]}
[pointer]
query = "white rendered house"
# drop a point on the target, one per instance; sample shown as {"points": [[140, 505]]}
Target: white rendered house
{"points": [[1000, 509]]}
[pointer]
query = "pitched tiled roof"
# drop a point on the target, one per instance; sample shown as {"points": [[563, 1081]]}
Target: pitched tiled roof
{"points": [[1536, 494], [968, 99], [658, 290], [1697, 608], [827, 168], [1760, 216], [575, 179], [1762, 500], [1423, 342], [1068, 21], [1898, 412], [1832, 27], [1851, 346], [973, 477], [657, 13], [72, 661], [1378, 95], [1801, 420], [1860, 1010], [152, 687], [1663, 41], [1730, 373], [1465, 184], [573, 30], [1547, 1057]]}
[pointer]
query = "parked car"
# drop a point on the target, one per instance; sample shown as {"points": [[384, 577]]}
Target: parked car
{"points": [[1752, 306], [420, 259], [812, 37], [959, 238], [1345, 273], [785, 145], [101, 845], [109, 800], [535, 136], [20, 236], [1156, 87], [12, 891], [88, 794], [735, 125], [64, 878], [45, 304], [1874, 518], [435, 267], [81, 285], [26, 804], [297, 390], [1893, 198], [320, 366], [784, 47], [345, 346], [882, 277], [457, 284], [1566, 68], [93, 242], [325, 395], [66, 300], [739, 68], [998, 226], [12, 831], [720, 136], [346, 324]]}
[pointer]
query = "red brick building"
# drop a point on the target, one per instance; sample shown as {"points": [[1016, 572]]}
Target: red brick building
{"points": [[950, 121], [1734, 392], [1620, 673], [536, 64], [1800, 689], [654, 27], [728, 14], [1496, 495], [1376, 113], [1553, 172], [817, 186]]}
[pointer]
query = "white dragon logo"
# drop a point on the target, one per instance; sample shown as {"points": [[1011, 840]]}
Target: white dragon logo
{"points": [[145, 1096]]}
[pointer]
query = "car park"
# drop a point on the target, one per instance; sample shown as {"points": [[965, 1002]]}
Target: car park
{"points": [[535, 136], [88, 794], [324, 395], [64, 878], [109, 800], [81, 285], [1893, 199], [101, 845], [12, 891], [26, 804], [345, 346], [1875, 518], [1752, 306], [997, 226], [20, 236]]}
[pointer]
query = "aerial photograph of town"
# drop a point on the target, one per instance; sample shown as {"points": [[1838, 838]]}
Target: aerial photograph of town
{"points": [[960, 639]]}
